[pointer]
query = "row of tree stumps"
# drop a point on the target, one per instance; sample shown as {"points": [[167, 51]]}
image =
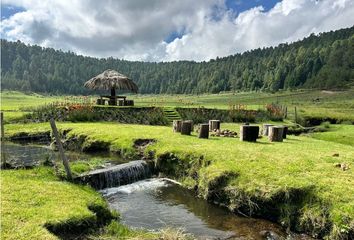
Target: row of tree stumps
{"points": [[274, 133], [248, 132], [186, 127]]}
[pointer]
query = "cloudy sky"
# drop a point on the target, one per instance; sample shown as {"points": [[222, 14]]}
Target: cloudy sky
{"points": [[167, 30]]}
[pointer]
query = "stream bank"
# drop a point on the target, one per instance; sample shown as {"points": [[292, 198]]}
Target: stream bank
{"points": [[153, 204], [297, 205]]}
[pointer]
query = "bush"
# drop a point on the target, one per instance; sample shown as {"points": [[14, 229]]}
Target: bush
{"points": [[88, 113], [203, 115]]}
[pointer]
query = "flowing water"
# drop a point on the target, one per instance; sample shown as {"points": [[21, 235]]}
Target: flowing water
{"points": [[117, 175], [29, 155], [157, 203]]}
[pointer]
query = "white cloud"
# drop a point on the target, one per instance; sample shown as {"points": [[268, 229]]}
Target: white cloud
{"points": [[136, 29]]}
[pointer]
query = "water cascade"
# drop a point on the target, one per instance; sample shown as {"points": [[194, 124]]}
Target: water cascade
{"points": [[117, 175]]}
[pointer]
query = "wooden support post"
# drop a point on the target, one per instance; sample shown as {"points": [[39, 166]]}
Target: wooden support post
{"points": [[2, 125], [177, 125], [186, 127], [295, 115], [249, 133], [286, 112], [276, 133], [214, 125], [3, 159], [203, 131], [61, 150]]}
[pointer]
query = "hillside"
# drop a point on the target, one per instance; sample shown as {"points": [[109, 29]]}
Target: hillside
{"points": [[318, 61]]}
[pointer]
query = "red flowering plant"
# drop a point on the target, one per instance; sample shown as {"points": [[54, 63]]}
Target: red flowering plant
{"points": [[72, 108], [275, 111]]}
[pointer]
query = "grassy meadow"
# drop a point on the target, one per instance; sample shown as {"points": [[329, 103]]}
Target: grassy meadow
{"points": [[314, 103], [260, 170], [299, 177], [34, 200]]}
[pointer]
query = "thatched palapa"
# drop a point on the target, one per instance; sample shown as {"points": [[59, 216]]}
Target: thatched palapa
{"points": [[111, 80]]}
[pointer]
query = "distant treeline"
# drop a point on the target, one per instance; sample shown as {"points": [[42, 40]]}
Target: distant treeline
{"points": [[318, 61]]}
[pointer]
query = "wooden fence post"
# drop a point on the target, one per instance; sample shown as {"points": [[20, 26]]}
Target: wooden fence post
{"points": [[286, 112], [2, 125], [61, 149], [295, 115], [3, 159]]}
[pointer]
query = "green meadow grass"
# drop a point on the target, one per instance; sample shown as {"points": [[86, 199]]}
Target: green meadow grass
{"points": [[262, 168], [332, 104], [259, 169], [337, 133], [31, 198]]}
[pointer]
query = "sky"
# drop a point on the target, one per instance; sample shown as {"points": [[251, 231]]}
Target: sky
{"points": [[168, 30]]}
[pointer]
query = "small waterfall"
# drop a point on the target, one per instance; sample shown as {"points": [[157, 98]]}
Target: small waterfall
{"points": [[117, 175]]}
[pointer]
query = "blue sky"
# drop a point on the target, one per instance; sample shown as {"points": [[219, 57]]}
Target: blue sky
{"points": [[243, 5], [237, 6], [169, 30], [9, 10]]}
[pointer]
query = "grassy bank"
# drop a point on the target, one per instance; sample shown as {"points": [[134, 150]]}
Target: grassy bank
{"points": [[35, 204], [295, 182], [31, 199]]}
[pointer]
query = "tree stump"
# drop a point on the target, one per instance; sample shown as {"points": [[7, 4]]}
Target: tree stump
{"points": [[285, 131], [203, 131], [100, 101], [177, 125], [266, 129], [276, 133], [214, 124], [249, 133], [186, 127], [192, 124]]}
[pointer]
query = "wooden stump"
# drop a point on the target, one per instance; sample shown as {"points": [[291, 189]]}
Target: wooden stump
{"points": [[203, 131], [214, 124], [249, 133], [112, 101], [100, 101], [266, 129], [177, 125], [192, 124], [285, 131], [276, 133], [186, 127], [129, 103]]}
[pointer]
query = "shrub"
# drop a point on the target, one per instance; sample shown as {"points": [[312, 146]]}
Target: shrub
{"points": [[87, 113]]}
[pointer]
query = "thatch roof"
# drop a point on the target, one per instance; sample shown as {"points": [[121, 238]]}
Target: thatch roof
{"points": [[111, 79]]}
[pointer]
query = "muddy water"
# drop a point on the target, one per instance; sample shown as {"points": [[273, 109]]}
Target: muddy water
{"points": [[156, 203]]}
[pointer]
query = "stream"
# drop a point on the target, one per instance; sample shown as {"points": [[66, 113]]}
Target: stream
{"points": [[158, 203]]}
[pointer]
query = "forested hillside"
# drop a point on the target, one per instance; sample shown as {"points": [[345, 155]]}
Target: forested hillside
{"points": [[323, 61]]}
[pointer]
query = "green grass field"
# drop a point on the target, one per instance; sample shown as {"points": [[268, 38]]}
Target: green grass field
{"points": [[261, 169], [335, 104], [31, 198], [332, 104]]}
